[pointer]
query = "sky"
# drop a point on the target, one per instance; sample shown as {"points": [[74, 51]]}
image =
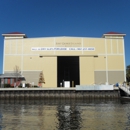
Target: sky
{"points": [[50, 18]]}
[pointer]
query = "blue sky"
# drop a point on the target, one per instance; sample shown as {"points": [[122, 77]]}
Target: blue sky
{"points": [[83, 18]]}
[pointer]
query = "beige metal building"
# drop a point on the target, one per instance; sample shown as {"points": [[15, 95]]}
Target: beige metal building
{"points": [[79, 60]]}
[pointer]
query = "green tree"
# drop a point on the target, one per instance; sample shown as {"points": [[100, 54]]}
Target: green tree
{"points": [[128, 73]]}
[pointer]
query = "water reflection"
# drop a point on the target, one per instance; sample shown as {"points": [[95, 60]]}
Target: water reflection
{"points": [[69, 117], [64, 114]]}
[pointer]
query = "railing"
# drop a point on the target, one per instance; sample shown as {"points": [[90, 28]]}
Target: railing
{"points": [[125, 88]]}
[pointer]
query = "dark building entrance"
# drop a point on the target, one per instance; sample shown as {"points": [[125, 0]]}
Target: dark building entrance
{"points": [[68, 70]]}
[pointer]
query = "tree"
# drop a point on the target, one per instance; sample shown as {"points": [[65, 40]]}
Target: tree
{"points": [[17, 74], [128, 73], [41, 78]]}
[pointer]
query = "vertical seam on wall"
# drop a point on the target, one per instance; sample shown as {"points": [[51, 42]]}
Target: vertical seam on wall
{"points": [[106, 62], [117, 45], [111, 46], [54, 45], [124, 60], [15, 46], [3, 55], [94, 69], [82, 45], [79, 69], [22, 58], [10, 48]]}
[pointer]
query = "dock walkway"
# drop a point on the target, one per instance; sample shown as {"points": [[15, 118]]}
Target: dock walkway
{"points": [[125, 88]]}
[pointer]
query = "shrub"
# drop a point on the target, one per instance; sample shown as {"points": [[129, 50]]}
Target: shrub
{"points": [[27, 85], [7, 86], [35, 86]]}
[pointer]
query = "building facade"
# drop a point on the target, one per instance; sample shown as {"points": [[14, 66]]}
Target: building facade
{"points": [[70, 60]]}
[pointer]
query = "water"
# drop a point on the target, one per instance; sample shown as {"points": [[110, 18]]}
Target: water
{"points": [[64, 115]]}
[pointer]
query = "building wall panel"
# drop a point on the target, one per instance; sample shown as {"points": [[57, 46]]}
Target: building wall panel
{"points": [[115, 77], [86, 70], [108, 49], [49, 67], [100, 63], [114, 46], [31, 77], [32, 63], [11, 62], [120, 45], [100, 77], [115, 62]]}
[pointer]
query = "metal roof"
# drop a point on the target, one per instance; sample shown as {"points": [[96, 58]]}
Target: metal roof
{"points": [[12, 75]]}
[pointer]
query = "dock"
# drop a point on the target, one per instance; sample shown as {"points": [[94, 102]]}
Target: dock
{"points": [[125, 90]]}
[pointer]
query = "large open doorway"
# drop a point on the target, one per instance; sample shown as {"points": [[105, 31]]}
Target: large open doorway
{"points": [[68, 70]]}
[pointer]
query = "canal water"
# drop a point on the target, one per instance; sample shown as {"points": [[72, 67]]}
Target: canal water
{"points": [[102, 114]]}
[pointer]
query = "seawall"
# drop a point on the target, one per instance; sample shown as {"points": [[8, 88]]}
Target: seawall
{"points": [[56, 93]]}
